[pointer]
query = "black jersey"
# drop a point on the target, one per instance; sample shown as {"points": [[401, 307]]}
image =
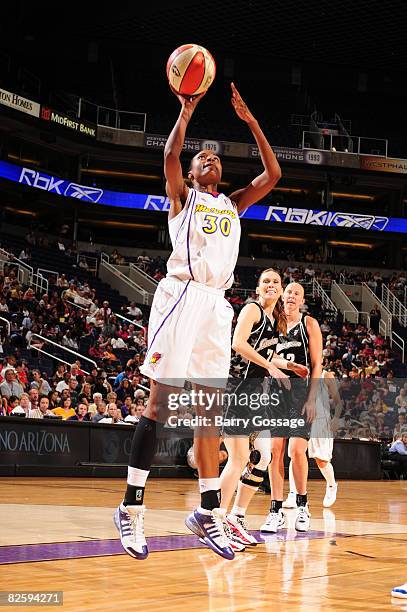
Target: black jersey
{"points": [[263, 339], [294, 345]]}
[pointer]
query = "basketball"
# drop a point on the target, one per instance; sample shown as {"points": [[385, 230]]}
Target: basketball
{"points": [[191, 70]]}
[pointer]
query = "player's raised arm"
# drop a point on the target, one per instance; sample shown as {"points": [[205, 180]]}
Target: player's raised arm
{"points": [[264, 183], [175, 186]]}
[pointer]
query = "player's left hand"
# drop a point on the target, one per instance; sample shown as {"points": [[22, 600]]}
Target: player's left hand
{"points": [[240, 106], [309, 410]]}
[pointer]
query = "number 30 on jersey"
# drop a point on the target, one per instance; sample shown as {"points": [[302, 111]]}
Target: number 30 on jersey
{"points": [[212, 223]]}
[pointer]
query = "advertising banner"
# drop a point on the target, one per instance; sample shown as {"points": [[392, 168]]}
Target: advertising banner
{"points": [[160, 203], [156, 141], [76, 125], [383, 164], [19, 103]]}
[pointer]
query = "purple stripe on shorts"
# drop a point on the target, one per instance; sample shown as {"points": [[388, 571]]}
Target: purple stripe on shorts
{"points": [[25, 553], [189, 225], [164, 320]]}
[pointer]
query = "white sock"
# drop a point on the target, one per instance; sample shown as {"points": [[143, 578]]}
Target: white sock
{"points": [[329, 474], [293, 488], [137, 477], [238, 511], [209, 484]]}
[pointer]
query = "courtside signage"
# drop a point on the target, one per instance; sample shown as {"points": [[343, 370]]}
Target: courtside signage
{"points": [[12, 100], [76, 125], [156, 203]]}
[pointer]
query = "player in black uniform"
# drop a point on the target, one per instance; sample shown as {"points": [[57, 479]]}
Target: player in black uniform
{"points": [[254, 340], [302, 343]]}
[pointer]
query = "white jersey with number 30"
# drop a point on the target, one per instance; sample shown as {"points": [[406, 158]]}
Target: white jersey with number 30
{"points": [[205, 238]]}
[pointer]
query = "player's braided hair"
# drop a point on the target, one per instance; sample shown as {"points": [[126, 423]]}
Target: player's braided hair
{"points": [[278, 313]]}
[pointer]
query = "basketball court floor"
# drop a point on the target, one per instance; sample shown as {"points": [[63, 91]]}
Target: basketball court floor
{"points": [[58, 535]]}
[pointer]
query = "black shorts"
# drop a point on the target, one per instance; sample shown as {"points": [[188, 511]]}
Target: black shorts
{"points": [[246, 407], [287, 420]]}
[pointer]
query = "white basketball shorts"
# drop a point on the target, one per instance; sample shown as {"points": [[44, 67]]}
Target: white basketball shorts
{"points": [[321, 448], [189, 334]]}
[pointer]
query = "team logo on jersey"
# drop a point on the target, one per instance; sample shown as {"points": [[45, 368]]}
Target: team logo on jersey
{"points": [[155, 357]]}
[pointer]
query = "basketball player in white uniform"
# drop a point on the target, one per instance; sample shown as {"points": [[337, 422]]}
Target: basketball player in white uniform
{"points": [[321, 442], [189, 334]]}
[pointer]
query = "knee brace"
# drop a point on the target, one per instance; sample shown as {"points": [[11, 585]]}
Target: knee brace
{"points": [[252, 476]]}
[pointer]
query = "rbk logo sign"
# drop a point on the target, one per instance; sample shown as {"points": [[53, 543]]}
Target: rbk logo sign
{"points": [[61, 187], [81, 192]]}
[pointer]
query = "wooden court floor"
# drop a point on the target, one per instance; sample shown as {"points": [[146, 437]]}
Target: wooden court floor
{"points": [[58, 535]]}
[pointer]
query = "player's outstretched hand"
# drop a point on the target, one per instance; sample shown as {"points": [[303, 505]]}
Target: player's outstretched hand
{"points": [[240, 106], [281, 378], [309, 410]]}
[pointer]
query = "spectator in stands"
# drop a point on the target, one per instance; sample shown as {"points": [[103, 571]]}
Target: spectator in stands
{"points": [[133, 311], [42, 410], [73, 386], [34, 397], [64, 383], [102, 385], [53, 399], [124, 389], [113, 415], [3, 305], [63, 281], [24, 403], [69, 341], [40, 383], [65, 411], [10, 385], [400, 425], [22, 372], [133, 416], [126, 405], [10, 404], [398, 452], [86, 391], [401, 400], [83, 264], [60, 373], [81, 413], [100, 412]]}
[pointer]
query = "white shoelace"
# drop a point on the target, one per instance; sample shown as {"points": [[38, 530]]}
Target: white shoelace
{"points": [[222, 538], [242, 522], [135, 526]]}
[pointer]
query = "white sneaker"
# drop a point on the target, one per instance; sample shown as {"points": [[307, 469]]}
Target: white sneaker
{"points": [[400, 591], [235, 545], [238, 527], [302, 521], [274, 522], [129, 521], [330, 496], [291, 501]]}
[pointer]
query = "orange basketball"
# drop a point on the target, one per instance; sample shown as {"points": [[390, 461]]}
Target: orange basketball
{"points": [[191, 69]]}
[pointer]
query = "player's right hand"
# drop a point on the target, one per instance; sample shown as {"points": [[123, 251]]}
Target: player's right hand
{"points": [[188, 102], [281, 378], [299, 369]]}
